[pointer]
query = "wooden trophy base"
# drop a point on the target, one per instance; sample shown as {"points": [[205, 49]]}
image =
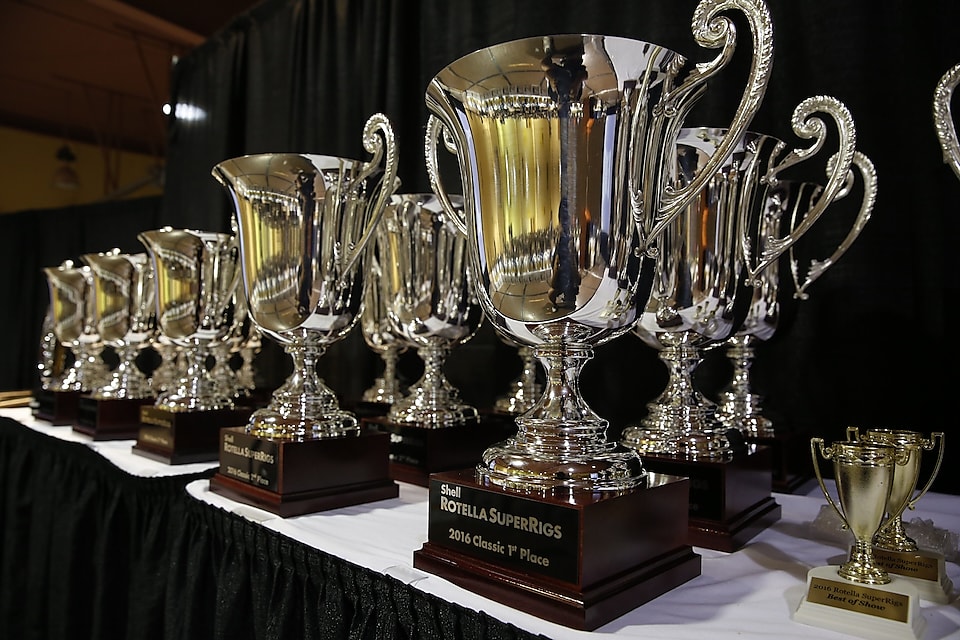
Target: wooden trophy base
{"points": [[59, 408], [925, 570], [184, 437], [580, 559], [294, 477], [790, 451], [417, 451], [109, 419], [730, 500], [875, 611]]}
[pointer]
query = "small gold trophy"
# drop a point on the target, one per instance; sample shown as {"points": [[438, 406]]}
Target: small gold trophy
{"points": [[861, 597], [895, 551]]}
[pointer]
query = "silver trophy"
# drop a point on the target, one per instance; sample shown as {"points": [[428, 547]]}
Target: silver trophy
{"points": [[943, 122], [74, 324], [380, 336], [561, 142], [708, 264], [304, 223], [786, 203], [430, 302], [197, 274], [524, 390], [126, 318]]}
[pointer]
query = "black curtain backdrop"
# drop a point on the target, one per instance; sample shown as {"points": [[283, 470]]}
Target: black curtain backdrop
{"points": [[871, 346]]}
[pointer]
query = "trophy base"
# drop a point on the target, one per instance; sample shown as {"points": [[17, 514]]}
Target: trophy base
{"points": [[577, 558], [925, 570], [185, 437], [792, 467], [295, 477], [59, 408], [878, 612], [417, 451], [730, 500], [109, 418]]}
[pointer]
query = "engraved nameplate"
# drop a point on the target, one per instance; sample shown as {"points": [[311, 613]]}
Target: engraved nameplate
{"points": [[911, 564], [250, 459], [859, 599]]}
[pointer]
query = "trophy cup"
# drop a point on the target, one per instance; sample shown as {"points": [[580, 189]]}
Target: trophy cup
{"points": [[125, 316], [74, 325], [787, 202], [431, 305], [382, 340], [197, 274], [860, 597], [561, 143], [304, 223], [894, 550]]}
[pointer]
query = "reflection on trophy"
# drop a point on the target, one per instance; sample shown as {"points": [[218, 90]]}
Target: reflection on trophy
{"points": [[943, 121], [74, 325], [561, 143], [125, 317], [895, 551], [197, 274], [381, 338], [867, 599], [304, 223], [525, 389]]}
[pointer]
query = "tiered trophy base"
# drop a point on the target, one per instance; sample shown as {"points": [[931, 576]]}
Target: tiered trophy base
{"points": [[730, 500], [417, 451], [184, 437], [294, 477], [878, 612], [790, 451], [925, 570], [59, 408], [580, 559], [109, 419]]}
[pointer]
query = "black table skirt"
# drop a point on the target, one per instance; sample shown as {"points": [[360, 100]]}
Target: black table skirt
{"points": [[90, 551]]}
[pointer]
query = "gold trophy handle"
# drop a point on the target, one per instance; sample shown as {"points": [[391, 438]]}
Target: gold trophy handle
{"points": [[435, 129], [807, 126], [712, 31], [816, 269], [379, 140], [817, 443], [943, 118], [928, 445]]}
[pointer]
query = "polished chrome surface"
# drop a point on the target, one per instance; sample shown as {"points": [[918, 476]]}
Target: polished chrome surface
{"points": [[943, 120], [561, 143], [304, 222], [379, 335], [74, 324], [126, 318], [864, 474], [430, 303], [525, 389], [196, 274], [904, 494]]}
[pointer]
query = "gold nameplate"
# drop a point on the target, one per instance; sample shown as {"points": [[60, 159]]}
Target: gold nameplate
{"points": [[859, 598], [910, 564]]}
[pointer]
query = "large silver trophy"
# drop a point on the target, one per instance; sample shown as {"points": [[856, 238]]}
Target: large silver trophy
{"points": [[304, 222], [561, 142], [708, 265], [860, 597]]}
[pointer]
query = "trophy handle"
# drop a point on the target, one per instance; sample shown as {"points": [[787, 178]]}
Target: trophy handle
{"points": [[378, 140], [817, 443], [816, 269], [928, 445], [711, 31], [807, 126], [943, 118], [435, 128]]}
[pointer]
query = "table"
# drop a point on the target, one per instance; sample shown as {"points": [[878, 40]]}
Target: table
{"points": [[236, 571]]}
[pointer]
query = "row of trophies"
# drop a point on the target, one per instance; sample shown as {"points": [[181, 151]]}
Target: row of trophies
{"points": [[588, 212]]}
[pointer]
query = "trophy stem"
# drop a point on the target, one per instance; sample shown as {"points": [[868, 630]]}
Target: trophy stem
{"points": [[303, 407], [893, 537], [681, 420], [525, 390], [127, 381], [196, 390], [432, 401], [385, 388], [739, 407], [861, 566], [560, 441]]}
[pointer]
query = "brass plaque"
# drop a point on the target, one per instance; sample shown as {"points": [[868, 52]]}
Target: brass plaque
{"points": [[910, 564], [859, 598]]}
